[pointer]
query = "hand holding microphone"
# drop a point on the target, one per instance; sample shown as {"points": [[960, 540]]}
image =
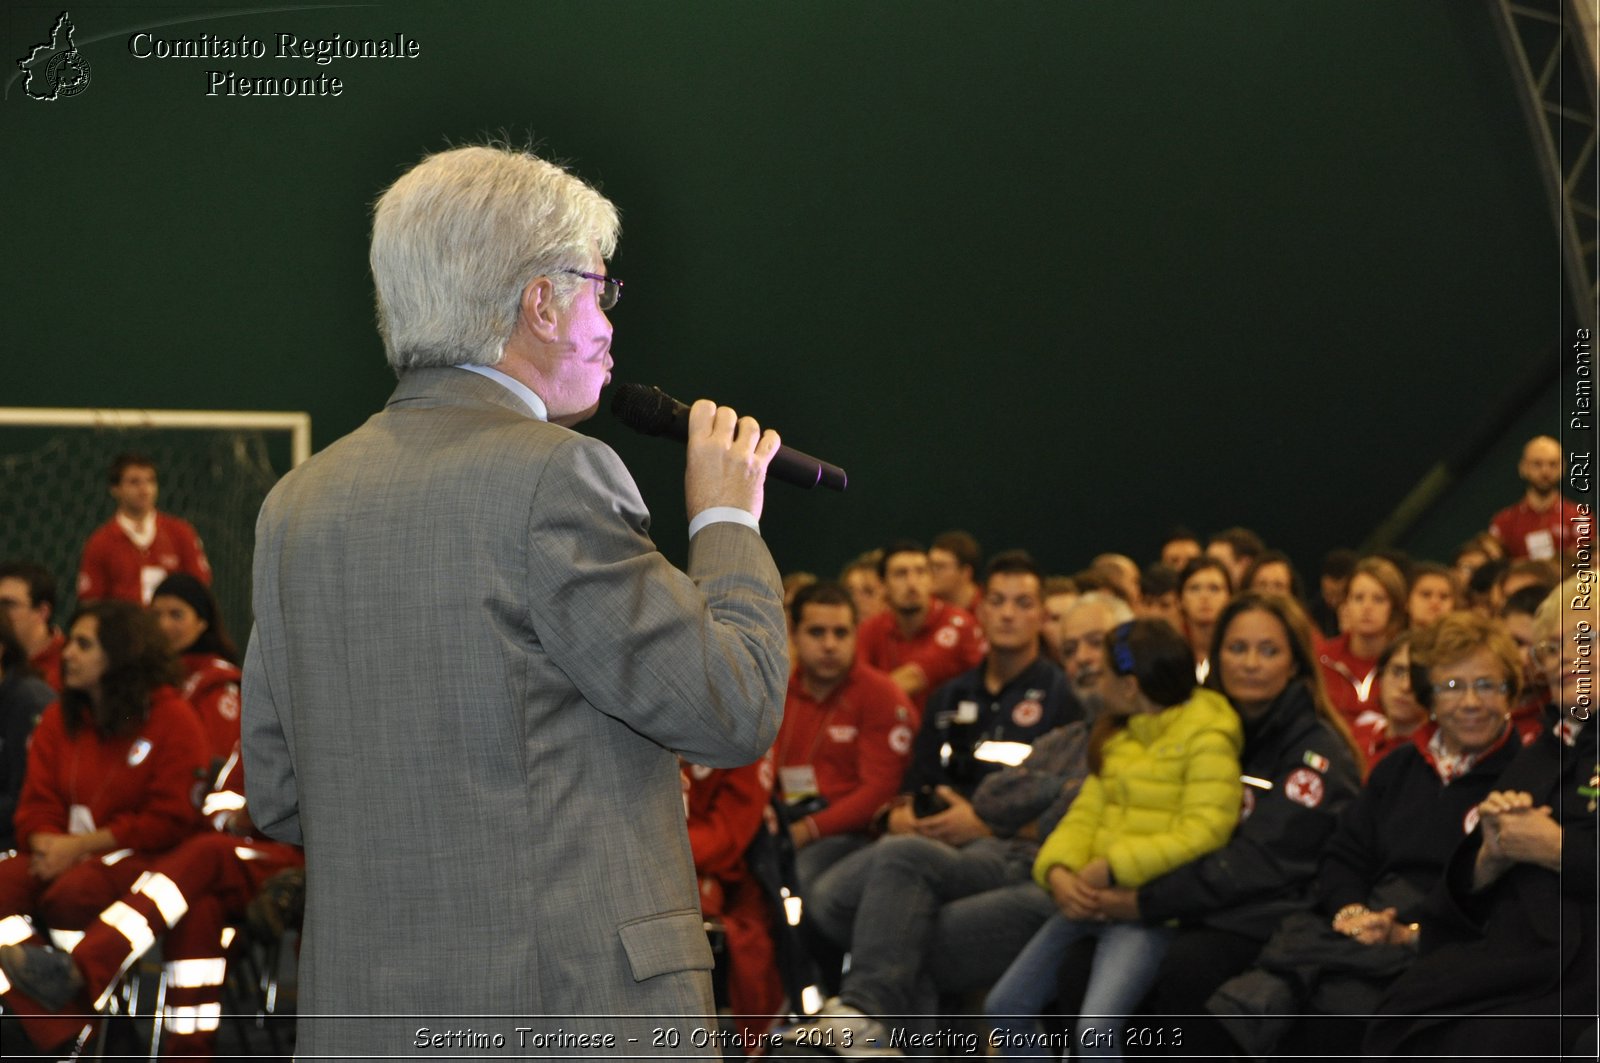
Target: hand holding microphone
{"points": [[653, 412], [728, 459]]}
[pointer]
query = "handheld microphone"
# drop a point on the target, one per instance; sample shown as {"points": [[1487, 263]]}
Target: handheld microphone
{"points": [[655, 413]]}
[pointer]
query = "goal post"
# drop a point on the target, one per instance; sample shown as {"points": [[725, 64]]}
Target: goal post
{"points": [[297, 423], [215, 468]]}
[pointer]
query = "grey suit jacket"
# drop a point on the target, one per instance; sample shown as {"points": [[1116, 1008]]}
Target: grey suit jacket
{"points": [[469, 677]]}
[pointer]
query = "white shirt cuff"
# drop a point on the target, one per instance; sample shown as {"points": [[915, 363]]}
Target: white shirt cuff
{"points": [[721, 514]]}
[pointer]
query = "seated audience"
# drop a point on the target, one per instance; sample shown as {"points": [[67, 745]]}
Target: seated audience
{"points": [[1059, 594], [1158, 596], [1203, 591], [1164, 788], [111, 773], [1387, 853], [1432, 594], [23, 697], [954, 560], [1237, 548], [1508, 958], [1482, 586], [1374, 613], [1521, 574], [846, 734], [1273, 573], [920, 640], [1300, 768], [1474, 554], [191, 897], [1380, 733], [1180, 547], [881, 902], [1528, 716], [1332, 588], [975, 937], [188, 615], [860, 578], [726, 809], [1121, 574], [28, 595]]}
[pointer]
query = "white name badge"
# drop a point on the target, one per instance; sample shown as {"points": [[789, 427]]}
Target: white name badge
{"points": [[80, 820], [150, 577], [967, 712], [799, 782], [1541, 544]]}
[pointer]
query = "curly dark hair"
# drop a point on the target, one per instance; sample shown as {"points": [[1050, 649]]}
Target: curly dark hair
{"points": [[138, 660]]}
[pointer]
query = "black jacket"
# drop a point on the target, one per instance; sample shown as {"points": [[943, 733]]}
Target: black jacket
{"points": [[1298, 775], [1523, 946], [962, 714], [1393, 842]]}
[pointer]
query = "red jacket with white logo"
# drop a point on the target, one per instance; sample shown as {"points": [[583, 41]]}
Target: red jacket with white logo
{"points": [[140, 788], [947, 644], [212, 687], [857, 740]]}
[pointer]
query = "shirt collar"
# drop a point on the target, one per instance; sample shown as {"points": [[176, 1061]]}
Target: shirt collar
{"points": [[522, 391]]}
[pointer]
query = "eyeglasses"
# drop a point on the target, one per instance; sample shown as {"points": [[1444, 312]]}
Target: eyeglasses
{"points": [[1456, 689], [1549, 651], [610, 287]]}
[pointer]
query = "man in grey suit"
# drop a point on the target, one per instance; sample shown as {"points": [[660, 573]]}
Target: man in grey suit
{"points": [[472, 672]]}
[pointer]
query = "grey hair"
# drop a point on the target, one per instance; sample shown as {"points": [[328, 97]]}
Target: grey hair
{"points": [[1579, 587], [458, 237], [1119, 610]]}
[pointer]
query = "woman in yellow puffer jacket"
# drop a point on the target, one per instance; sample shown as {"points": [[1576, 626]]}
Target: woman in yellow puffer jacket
{"points": [[1164, 789]]}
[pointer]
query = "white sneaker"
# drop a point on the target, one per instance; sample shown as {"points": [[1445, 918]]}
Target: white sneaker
{"points": [[842, 1030]]}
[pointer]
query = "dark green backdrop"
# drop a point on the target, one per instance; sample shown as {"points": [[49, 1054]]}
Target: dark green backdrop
{"points": [[1058, 272]]}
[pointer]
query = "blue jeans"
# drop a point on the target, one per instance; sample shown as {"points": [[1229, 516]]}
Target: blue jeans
{"points": [[1126, 959]]}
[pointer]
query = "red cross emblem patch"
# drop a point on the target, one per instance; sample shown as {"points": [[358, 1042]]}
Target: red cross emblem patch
{"points": [[1304, 787]]}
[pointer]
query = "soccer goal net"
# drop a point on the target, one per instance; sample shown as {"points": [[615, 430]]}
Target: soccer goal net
{"points": [[215, 468]]}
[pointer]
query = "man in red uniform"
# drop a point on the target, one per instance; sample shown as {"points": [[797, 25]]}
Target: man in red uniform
{"points": [[28, 593], [954, 559], [187, 897], [138, 547], [920, 641], [846, 734], [1538, 524], [726, 808]]}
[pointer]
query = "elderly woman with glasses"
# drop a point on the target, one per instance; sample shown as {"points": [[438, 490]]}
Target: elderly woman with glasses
{"points": [[1390, 847], [1508, 962]]}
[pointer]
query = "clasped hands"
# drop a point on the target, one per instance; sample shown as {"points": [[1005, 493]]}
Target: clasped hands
{"points": [[956, 825], [1373, 928], [1515, 832], [53, 854], [1088, 894]]}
